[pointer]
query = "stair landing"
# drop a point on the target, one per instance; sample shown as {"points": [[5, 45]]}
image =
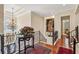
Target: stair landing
{"points": [[54, 48]]}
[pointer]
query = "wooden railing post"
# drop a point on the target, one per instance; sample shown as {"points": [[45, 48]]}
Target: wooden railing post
{"points": [[77, 33], [39, 37], [53, 38], [2, 44], [74, 46]]}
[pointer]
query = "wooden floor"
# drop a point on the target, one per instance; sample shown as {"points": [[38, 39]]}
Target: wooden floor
{"points": [[54, 48]]}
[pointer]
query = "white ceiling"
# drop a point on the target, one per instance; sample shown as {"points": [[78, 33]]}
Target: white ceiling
{"points": [[41, 9]]}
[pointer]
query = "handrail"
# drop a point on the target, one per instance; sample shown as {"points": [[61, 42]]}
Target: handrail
{"points": [[39, 37], [42, 36], [75, 38], [72, 31], [74, 45]]}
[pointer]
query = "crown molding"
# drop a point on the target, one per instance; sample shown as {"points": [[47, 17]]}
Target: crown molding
{"points": [[22, 12]]}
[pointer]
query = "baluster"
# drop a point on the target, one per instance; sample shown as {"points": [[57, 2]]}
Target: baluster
{"points": [[2, 44]]}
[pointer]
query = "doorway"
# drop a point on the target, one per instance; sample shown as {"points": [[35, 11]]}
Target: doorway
{"points": [[65, 24], [65, 29]]}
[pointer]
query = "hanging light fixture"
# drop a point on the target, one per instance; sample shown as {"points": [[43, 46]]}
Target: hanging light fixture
{"points": [[12, 23]]}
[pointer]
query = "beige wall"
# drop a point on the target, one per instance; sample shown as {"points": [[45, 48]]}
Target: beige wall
{"points": [[1, 18], [37, 22], [24, 20], [77, 19], [31, 19]]}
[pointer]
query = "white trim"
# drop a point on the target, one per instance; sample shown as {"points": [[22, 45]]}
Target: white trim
{"points": [[22, 13]]}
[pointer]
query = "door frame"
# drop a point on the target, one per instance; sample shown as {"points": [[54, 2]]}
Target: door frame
{"points": [[64, 18]]}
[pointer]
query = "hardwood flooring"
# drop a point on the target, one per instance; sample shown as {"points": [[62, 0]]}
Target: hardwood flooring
{"points": [[54, 48]]}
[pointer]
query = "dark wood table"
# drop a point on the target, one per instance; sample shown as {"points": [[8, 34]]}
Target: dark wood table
{"points": [[24, 39]]}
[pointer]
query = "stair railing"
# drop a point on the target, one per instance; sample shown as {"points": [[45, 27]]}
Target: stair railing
{"points": [[39, 37], [74, 38], [2, 43]]}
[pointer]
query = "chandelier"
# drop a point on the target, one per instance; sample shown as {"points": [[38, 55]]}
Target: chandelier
{"points": [[12, 22]]}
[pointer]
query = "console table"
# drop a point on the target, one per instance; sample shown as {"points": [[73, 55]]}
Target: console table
{"points": [[24, 39]]}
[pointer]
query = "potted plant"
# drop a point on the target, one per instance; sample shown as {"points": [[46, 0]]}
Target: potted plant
{"points": [[27, 30]]}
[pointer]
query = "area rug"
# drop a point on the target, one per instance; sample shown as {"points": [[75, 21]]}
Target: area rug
{"points": [[38, 49], [63, 50]]}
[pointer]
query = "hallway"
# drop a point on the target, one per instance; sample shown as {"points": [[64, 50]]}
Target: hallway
{"points": [[22, 25]]}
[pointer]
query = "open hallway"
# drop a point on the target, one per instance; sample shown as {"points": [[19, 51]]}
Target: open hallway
{"points": [[39, 29]]}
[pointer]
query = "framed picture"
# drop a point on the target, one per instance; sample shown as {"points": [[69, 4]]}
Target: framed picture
{"points": [[49, 25]]}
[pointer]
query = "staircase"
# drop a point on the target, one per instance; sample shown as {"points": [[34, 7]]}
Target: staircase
{"points": [[73, 44]]}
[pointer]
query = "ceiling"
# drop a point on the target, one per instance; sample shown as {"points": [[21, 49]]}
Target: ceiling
{"points": [[41, 9]]}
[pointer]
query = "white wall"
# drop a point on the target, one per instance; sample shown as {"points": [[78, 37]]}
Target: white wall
{"points": [[24, 20]]}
